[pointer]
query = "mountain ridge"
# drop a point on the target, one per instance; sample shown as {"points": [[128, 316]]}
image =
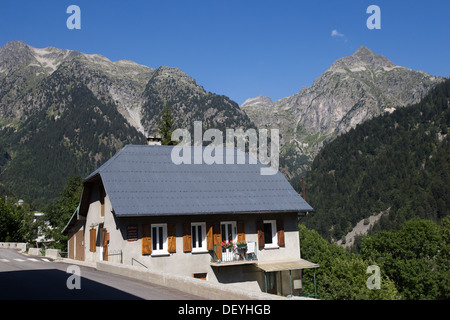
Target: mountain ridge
{"points": [[81, 109], [352, 90]]}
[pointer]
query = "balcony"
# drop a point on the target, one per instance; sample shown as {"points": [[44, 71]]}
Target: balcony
{"points": [[234, 254]]}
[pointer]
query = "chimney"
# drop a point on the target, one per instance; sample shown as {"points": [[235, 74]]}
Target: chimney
{"points": [[154, 140]]}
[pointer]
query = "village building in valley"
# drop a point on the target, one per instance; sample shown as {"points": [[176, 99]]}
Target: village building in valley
{"points": [[224, 223]]}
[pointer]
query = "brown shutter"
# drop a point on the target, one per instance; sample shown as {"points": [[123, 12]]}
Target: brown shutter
{"points": [[209, 236], [171, 238], [280, 233], [92, 240], [217, 240], [71, 246], [260, 229], [187, 241], [146, 239], [241, 230]]}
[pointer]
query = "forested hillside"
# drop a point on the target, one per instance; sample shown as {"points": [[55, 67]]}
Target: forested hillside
{"points": [[398, 163], [56, 142]]}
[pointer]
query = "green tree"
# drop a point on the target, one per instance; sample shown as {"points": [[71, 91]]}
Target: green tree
{"points": [[16, 222], [60, 211], [416, 258], [341, 275], [165, 126]]}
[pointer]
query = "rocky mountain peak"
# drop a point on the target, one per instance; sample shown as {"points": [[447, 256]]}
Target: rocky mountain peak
{"points": [[15, 53], [258, 101], [362, 59]]}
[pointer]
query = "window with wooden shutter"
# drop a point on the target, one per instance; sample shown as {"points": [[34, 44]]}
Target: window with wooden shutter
{"points": [[241, 231], [171, 238], [209, 236], [280, 233], [146, 239], [260, 229], [187, 241], [92, 240]]}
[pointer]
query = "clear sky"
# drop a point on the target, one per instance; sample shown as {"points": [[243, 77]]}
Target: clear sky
{"points": [[239, 48]]}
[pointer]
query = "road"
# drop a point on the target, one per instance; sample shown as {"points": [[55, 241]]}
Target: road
{"points": [[24, 277]]}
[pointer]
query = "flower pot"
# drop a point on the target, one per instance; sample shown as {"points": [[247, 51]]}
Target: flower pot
{"points": [[227, 255]]}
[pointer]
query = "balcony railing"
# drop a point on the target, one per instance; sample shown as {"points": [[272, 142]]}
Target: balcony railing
{"points": [[235, 255]]}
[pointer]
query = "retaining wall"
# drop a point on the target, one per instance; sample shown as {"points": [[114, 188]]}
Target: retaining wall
{"points": [[201, 288], [14, 245]]}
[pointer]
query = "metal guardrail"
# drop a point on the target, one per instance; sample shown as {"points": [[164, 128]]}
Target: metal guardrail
{"points": [[133, 259], [113, 254]]}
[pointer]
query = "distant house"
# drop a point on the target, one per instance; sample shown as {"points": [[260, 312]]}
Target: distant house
{"points": [[140, 208]]}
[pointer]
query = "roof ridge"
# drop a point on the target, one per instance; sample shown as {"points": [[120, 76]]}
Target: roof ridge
{"points": [[106, 164]]}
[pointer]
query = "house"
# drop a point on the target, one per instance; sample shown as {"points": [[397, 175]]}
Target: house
{"points": [[140, 208]]}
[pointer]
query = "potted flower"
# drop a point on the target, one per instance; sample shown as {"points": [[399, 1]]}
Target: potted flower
{"points": [[241, 247], [241, 244], [227, 244], [228, 254]]}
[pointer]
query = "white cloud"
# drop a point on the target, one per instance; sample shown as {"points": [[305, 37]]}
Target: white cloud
{"points": [[336, 33]]}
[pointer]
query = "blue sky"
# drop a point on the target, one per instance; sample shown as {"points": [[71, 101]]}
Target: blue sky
{"points": [[239, 48]]}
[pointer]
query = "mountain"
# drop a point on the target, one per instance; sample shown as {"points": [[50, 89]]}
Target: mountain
{"points": [[352, 90], [391, 169], [64, 112]]}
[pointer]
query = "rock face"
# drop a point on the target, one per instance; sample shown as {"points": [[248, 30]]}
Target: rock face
{"points": [[139, 92], [354, 89]]}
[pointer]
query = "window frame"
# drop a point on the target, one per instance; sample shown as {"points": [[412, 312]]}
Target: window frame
{"points": [[233, 230], [274, 244], [156, 238], [195, 245]]}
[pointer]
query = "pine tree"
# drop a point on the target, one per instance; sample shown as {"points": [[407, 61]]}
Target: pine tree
{"points": [[165, 126]]}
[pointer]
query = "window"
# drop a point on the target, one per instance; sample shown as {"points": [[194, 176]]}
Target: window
{"points": [[228, 231], [198, 236], [270, 234], [159, 239]]}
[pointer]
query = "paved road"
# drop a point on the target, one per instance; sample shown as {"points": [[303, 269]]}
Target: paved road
{"points": [[24, 277]]}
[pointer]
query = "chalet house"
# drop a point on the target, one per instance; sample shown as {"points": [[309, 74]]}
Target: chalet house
{"points": [[139, 208]]}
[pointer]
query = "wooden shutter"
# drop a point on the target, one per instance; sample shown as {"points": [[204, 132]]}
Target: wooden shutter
{"points": [[146, 239], [217, 240], [209, 236], [187, 241], [280, 233], [105, 239], [71, 246], [92, 240], [171, 238], [241, 231], [260, 229]]}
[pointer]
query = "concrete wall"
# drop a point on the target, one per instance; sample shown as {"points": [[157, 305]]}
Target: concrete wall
{"points": [[35, 251], [201, 288], [22, 246], [53, 253]]}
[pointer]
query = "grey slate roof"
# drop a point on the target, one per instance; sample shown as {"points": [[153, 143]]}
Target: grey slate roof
{"points": [[142, 180]]}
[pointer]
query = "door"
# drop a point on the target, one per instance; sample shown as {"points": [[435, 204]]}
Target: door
{"points": [[105, 244], [271, 282], [79, 245]]}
